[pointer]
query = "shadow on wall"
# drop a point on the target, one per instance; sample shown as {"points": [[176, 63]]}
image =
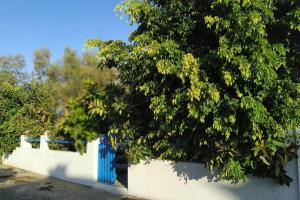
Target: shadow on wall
{"points": [[60, 172], [193, 171], [6, 156], [261, 188]]}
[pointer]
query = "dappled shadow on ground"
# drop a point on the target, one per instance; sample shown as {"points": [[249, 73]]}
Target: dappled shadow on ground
{"points": [[6, 172], [18, 184]]}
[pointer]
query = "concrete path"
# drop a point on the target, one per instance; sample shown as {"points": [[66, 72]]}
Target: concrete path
{"points": [[18, 184]]}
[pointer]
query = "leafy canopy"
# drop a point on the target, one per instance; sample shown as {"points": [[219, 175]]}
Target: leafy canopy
{"points": [[31, 105], [66, 78], [24, 106], [209, 81]]}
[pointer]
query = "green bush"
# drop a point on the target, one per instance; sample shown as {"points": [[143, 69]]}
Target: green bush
{"points": [[23, 111]]}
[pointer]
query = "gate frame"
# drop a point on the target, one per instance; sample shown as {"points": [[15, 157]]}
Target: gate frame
{"points": [[105, 175]]}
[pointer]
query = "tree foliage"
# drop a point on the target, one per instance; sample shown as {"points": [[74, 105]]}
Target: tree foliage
{"points": [[209, 81], [24, 106], [11, 69], [33, 106], [66, 77], [41, 61]]}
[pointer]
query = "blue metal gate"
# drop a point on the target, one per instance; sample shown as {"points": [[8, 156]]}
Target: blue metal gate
{"points": [[106, 162]]}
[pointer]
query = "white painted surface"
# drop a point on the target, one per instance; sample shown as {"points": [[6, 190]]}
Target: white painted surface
{"points": [[156, 180], [190, 181], [112, 188], [43, 142], [70, 166], [24, 144]]}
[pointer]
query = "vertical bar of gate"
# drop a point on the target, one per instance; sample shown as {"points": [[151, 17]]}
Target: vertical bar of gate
{"points": [[109, 163], [104, 159]]}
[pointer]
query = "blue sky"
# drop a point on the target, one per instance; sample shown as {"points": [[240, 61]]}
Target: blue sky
{"points": [[26, 25]]}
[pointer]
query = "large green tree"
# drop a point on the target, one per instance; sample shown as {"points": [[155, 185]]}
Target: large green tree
{"points": [[24, 104], [41, 61], [66, 77], [11, 69], [209, 81]]}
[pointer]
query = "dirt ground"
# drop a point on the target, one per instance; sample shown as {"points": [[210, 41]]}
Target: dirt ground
{"points": [[18, 184]]}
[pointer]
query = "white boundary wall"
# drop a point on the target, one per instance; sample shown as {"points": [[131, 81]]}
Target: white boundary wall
{"points": [[160, 180], [69, 166], [191, 181]]}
